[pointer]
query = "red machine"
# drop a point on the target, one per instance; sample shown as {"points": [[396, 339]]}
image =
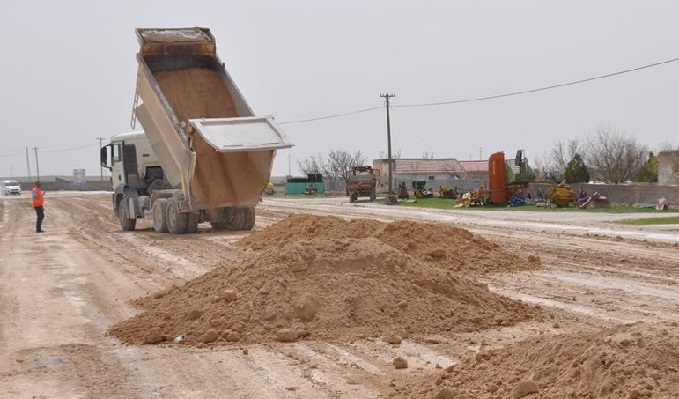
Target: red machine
{"points": [[508, 178]]}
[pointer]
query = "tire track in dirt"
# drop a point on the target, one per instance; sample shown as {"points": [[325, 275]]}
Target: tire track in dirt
{"points": [[51, 331]]}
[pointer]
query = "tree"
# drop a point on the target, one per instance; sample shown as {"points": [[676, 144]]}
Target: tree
{"points": [[313, 164], [576, 171], [340, 162], [333, 167], [649, 170], [553, 165], [613, 156]]}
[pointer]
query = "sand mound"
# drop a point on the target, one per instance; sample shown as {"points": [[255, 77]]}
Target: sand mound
{"points": [[631, 361], [334, 290], [307, 227], [446, 246]]}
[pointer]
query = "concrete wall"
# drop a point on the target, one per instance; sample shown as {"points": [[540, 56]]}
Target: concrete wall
{"points": [[629, 194]]}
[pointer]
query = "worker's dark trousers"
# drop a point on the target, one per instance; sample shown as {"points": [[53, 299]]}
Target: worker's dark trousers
{"points": [[41, 216]]}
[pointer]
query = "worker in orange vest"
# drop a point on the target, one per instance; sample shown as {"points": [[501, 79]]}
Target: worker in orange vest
{"points": [[38, 203]]}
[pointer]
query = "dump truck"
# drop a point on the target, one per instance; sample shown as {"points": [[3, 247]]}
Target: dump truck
{"points": [[361, 181], [203, 156]]}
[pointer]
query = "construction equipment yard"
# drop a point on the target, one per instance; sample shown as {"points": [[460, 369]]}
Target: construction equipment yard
{"points": [[396, 303]]}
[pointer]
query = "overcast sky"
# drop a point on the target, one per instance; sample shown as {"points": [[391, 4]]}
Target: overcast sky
{"points": [[69, 72]]}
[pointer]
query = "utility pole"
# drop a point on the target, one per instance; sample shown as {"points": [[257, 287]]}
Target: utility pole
{"points": [[101, 168], [37, 165], [289, 166], [387, 97], [480, 153], [28, 165]]}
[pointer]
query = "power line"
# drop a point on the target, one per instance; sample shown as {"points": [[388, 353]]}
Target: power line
{"points": [[331, 116], [74, 148], [63, 150], [493, 97], [11, 155], [412, 130], [551, 87]]}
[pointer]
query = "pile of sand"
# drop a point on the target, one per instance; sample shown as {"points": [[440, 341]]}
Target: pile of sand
{"points": [[335, 290], [301, 226], [630, 361], [446, 246]]}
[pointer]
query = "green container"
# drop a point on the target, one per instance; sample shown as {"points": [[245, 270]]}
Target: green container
{"points": [[300, 188]]}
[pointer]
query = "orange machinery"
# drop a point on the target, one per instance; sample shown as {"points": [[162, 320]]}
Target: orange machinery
{"points": [[508, 178]]}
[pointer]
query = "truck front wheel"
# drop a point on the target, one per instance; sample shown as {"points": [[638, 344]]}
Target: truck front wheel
{"points": [[126, 223], [177, 222]]}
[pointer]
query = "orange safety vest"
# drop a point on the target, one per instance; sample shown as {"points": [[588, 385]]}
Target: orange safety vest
{"points": [[38, 197]]}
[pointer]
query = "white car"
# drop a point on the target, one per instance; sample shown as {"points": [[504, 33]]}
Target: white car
{"points": [[10, 187]]}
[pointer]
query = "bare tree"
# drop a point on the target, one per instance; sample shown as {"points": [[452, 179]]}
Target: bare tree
{"points": [[333, 167], [340, 161], [313, 164], [427, 154], [394, 155], [552, 166], [614, 156], [667, 146]]}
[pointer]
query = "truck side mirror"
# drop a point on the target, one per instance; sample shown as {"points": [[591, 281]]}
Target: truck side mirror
{"points": [[104, 157]]}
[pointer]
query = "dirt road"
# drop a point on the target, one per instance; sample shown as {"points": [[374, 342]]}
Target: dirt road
{"points": [[61, 291]]}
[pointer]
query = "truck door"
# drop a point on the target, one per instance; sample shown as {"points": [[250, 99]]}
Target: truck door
{"points": [[131, 174]]}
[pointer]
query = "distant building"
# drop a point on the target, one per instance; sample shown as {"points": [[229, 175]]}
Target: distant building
{"points": [[475, 170], [446, 172]]}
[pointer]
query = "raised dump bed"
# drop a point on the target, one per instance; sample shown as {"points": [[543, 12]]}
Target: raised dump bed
{"points": [[216, 156]]}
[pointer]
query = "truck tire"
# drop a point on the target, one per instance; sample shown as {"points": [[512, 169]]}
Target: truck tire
{"points": [[218, 224], [224, 219], [159, 210], [177, 222], [244, 219], [126, 223], [373, 196], [353, 197], [192, 223]]}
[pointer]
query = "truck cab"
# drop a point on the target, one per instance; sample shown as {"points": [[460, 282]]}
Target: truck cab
{"points": [[135, 169]]}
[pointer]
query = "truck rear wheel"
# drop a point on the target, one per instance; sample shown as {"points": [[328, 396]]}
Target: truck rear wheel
{"points": [[223, 220], [177, 222], [192, 222], [243, 219], [126, 223], [218, 224], [159, 209]]}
